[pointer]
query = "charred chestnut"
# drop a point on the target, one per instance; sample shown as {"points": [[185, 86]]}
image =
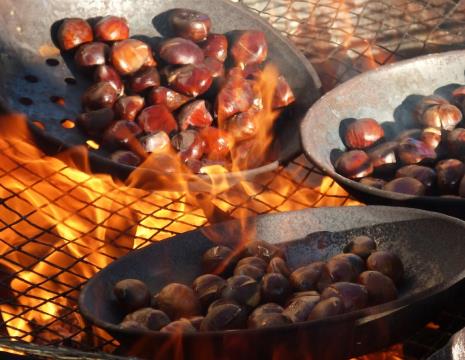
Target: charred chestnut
{"points": [[128, 107], [299, 308], [98, 96], [182, 326], [306, 277], [387, 263], [190, 24], [144, 79], [165, 96], [179, 51], [178, 300], [189, 144], [406, 185], [278, 265], [363, 133], [95, 122], [111, 28], [149, 318], [208, 288], [130, 55], [353, 296], [108, 74], [413, 151], [449, 173], [275, 288], [243, 289], [249, 47], [327, 308], [253, 261], [380, 288], [91, 54], [125, 157], [354, 164], [158, 142], [194, 114], [132, 294], [249, 270], [218, 260], [425, 175], [191, 80], [224, 317], [74, 32], [157, 118], [215, 46], [362, 246], [263, 250]]}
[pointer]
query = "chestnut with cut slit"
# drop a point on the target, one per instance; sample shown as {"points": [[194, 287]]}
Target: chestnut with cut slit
{"points": [[111, 28], [179, 51], [178, 300], [109, 74], [132, 294], [190, 24], [387, 263], [92, 54], [363, 133], [243, 289], [354, 164], [157, 118], [130, 55], [128, 107], [74, 32], [249, 47]]}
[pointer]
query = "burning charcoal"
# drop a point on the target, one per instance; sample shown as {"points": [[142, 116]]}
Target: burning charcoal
{"points": [[189, 144], [381, 288], [178, 300], [132, 294], [95, 122], [386, 263], [190, 80], [425, 175], [449, 173], [190, 24], [126, 157], [275, 288], [354, 164], [306, 277], [243, 289], [456, 143], [363, 133], [217, 143], [182, 326], [215, 46], [337, 269], [249, 47], [179, 51], [218, 260], [130, 55], [443, 116], [268, 320], [431, 137], [263, 250], [157, 118], [298, 309], [194, 114], [279, 266], [132, 325], [74, 32], [165, 96], [98, 96], [327, 308], [283, 95], [353, 296], [413, 151], [406, 185], [108, 74], [121, 133], [254, 261], [150, 318], [249, 270], [236, 96], [91, 54], [361, 245], [242, 126], [208, 288], [144, 79], [373, 182], [128, 107], [158, 142], [224, 317], [111, 28]]}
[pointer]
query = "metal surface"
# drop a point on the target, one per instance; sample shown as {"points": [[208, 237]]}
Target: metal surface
{"points": [[307, 235], [454, 350], [388, 94]]}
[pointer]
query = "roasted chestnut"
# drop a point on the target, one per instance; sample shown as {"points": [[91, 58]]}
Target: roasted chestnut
{"points": [[406, 185], [220, 302], [383, 156], [125, 157], [158, 142], [224, 317], [275, 288], [373, 182], [431, 137], [189, 144], [215, 67], [306, 277], [111, 28], [236, 96], [361, 245], [249, 270], [248, 48], [298, 309], [426, 102], [132, 294], [353, 296], [121, 133], [444, 116], [218, 260], [165, 96], [462, 187], [387, 263], [128, 107], [456, 143], [243, 289], [191, 80], [381, 288], [95, 122], [132, 325], [150, 318], [413, 151], [130, 55], [268, 320], [354, 164], [194, 114], [208, 288], [196, 321], [98, 96], [74, 32], [144, 79], [253, 261], [190, 24], [179, 51], [178, 300], [215, 46], [337, 269], [182, 326], [242, 126], [363, 133], [91, 54], [327, 308], [283, 94], [358, 264], [109, 74], [278, 265], [217, 143], [263, 250], [449, 173], [157, 118]]}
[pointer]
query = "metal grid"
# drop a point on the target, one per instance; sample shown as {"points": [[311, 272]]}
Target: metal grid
{"points": [[58, 225]]}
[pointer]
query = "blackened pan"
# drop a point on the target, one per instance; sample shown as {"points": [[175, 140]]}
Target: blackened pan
{"points": [[33, 74], [431, 245], [388, 94]]}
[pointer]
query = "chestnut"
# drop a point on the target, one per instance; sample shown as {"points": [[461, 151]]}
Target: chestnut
{"points": [[249, 47], [243, 289], [337, 269], [361, 245], [208, 288], [387, 263], [132, 294], [215, 67], [263, 250], [179, 51], [111, 28], [95, 122], [121, 133], [178, 300], [426, 102], [363, 133], [406, 185], [283, 94], [425, 175], [306, 277], [381, 288], [125, 157], [157, 118], [220, 302], [275, 288], [217, 143], [144, 79], [189, 144], [98, 96], [235, 96], [383, 156], [278, 265], [413, 151], [268, 308], [299, 308], [462, 187], [132, 325], [254, 261], [128, 107], [449, 173], [150, 318], [326, 308], [74, 32], [456, 143], [249, 270], [268, 320], [165, 96], [444, 116], [215, 46], [191, 80], [190, 24], [354, 164], [242, 126], [91, 54], [353, 296], [224, 317], [196, 321], [194, 114], [357, 262], [432, 137], [299, 294], [109, 74], [130, 55], [182, 326], [218, 260], [158, 142], [373, 182]]}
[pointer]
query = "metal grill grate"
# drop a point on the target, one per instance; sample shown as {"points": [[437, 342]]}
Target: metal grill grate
{"points": [[58, 226]]}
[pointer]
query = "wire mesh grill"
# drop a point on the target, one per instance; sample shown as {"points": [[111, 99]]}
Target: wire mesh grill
{"points": [[58, 226]]}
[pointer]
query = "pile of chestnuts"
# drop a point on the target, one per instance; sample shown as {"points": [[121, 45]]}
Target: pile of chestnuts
{"points": [[196, 93], [255, 288], [428, 160]]}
